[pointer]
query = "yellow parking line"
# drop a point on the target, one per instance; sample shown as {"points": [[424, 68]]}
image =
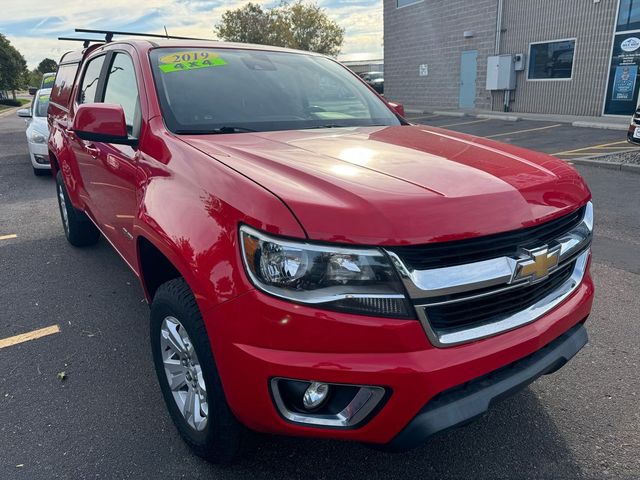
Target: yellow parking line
{"points": [[589, 148], [463, 123], [617, 148], [580, 154], [25, 337], [524, 131], [7, 237]]}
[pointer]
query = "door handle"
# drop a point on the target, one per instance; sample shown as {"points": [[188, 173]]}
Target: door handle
{"points": [[93, 151]]}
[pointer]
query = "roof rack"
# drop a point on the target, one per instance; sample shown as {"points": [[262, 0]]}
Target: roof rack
{"points": [[108, 34], [86, 41]]}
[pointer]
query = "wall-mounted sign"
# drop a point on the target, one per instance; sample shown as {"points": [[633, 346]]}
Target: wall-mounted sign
{"points": [[624, 81], [622, 91], [423, 70], [630, 44]]}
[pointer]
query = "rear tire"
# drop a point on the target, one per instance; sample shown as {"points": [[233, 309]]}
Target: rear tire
{"points": [[78, 229], [212, 432]]}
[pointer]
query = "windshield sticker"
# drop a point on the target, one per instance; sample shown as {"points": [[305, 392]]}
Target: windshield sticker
{"points": [[43, 98], [176, 62]]}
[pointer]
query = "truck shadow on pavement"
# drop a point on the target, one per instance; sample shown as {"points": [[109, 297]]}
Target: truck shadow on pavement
{"points": [[516, 439]]}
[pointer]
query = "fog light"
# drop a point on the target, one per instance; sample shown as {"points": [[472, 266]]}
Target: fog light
{"points": [[315, 395], [42, 159]]}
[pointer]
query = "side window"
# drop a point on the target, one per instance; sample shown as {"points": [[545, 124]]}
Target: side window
{"points": [[122, 89], [64, 84], [89, 86]]}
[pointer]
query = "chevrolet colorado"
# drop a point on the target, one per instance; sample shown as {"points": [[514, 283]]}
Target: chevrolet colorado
{"points": [[315, 264]]}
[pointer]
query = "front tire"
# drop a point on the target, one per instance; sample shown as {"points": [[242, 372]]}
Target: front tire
{"points": [[78, 229], [188, 376], [41, 172]]}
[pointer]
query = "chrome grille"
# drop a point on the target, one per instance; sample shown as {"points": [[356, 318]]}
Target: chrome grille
{"points": [[510, 280], [456, 314]]}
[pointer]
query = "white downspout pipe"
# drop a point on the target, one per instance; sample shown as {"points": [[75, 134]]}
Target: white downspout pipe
{"points": [[498, 28]]}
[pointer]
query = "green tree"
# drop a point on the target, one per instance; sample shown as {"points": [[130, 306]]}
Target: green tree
{"points": [[47, 65], [248, 24], [34, 78], [13, 67], [300, 25]]}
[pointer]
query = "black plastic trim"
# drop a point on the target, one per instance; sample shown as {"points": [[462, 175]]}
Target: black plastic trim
{"points": [[459, 405]]}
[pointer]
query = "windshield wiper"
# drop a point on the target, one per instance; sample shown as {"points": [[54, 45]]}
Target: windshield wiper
{"points": [[215, 131]]}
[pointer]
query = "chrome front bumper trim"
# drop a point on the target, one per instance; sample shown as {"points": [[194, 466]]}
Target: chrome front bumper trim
{"points": [[362, 404], [516, 320]]}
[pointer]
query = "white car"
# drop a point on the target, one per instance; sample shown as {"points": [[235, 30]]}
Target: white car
{"points": [[38, 131]]}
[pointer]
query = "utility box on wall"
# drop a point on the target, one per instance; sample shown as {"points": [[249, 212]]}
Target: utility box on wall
{"points": [[501, 72]]}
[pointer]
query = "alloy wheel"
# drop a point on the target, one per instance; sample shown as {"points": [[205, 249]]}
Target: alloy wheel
{"points": [[184, 373]]}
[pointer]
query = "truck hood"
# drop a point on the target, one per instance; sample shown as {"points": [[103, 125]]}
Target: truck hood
{"points": [[400, 185]]}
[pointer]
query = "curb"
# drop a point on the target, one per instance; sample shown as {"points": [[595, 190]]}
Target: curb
{"points": [[506, 118], [593, 162], [604, 126], [447, 113]]}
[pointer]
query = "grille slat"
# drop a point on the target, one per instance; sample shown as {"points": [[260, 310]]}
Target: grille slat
{"points": [[447, 254], [470, 313]]}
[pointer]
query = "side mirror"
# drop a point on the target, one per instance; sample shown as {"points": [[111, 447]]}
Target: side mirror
{"points": [[398, 108], [32, 91], [102, 122], [24, 113]]}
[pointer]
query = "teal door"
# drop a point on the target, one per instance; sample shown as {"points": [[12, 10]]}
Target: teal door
{"points": [[468, 74]]}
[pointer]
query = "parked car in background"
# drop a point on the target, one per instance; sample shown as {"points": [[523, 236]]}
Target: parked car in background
{"points": [[38, 131], [47, 80], [375, 80], [316, 265], [633, 134]]}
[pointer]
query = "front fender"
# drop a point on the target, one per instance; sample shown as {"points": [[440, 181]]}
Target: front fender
{"points": [[190, 211]]}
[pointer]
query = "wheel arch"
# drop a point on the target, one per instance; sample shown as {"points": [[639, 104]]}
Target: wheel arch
{"points": [[53, 161], [155, 267]]}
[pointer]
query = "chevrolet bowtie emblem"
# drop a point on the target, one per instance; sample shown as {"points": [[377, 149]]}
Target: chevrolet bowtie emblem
{"points": [[540, 263]]}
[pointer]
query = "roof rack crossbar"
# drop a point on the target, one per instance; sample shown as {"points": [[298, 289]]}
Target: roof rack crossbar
{"points": [[110, 33], [86, 41]]}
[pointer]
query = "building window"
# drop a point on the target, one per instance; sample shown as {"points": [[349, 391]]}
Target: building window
{"points": [[404, 3], [551, 60], [629, 15]]}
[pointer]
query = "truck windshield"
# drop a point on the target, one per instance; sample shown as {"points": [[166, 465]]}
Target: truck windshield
{"points": [[235, 90]]}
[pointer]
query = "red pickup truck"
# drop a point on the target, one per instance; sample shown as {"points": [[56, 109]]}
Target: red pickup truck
{"points": [[315, 264]]}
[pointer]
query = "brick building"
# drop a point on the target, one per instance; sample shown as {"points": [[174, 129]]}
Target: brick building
{"points": [[572, 57]]}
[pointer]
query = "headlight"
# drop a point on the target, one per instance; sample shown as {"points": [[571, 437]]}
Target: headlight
{"points": [[37, 137], [338, 278]]}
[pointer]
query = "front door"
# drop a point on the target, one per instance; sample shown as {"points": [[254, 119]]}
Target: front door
{"points": [[468, 73], [117, 165]]}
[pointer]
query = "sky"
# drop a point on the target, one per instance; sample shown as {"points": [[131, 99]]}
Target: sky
{"points": [[33, 26]]}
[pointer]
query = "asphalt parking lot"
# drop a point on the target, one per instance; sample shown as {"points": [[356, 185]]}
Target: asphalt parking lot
{"points": [[106, 419], [559, 139]]}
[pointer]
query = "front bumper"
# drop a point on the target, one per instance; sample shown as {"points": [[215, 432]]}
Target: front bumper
{"points": [[41, 150], [256, 338], [462, 404]]}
